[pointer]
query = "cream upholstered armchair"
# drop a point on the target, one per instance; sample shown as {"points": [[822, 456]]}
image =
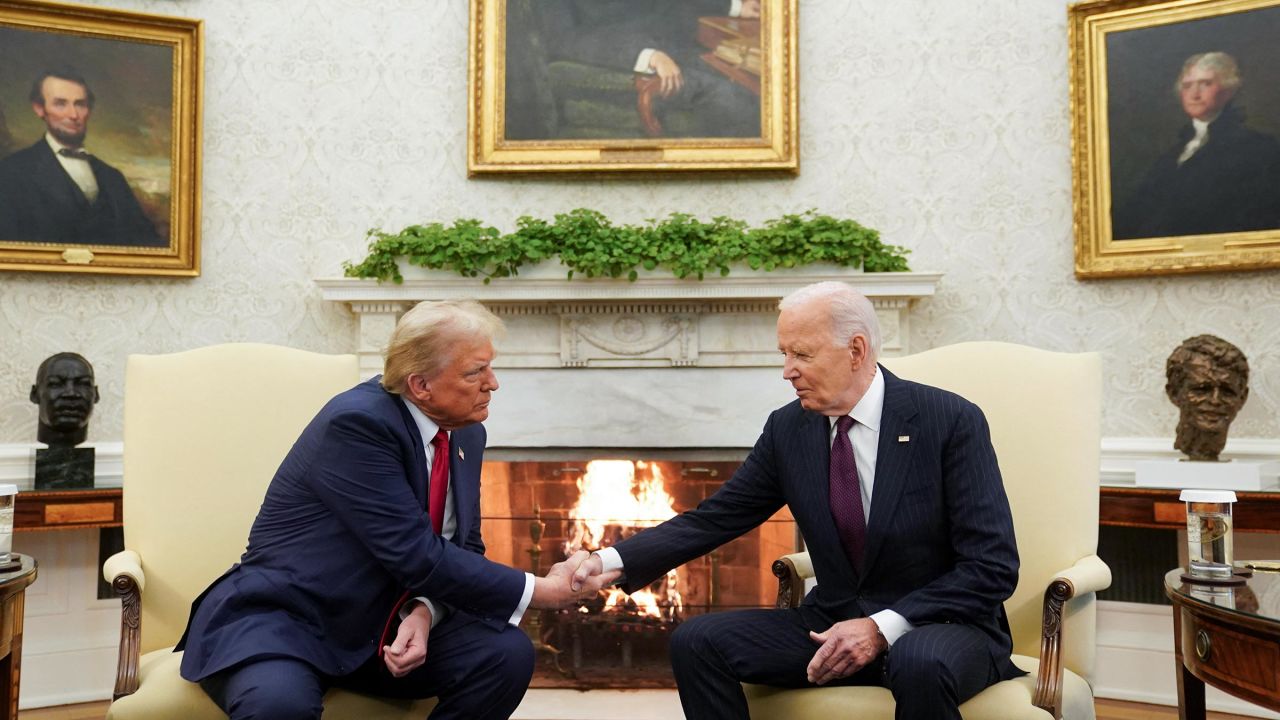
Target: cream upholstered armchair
{"points": [[1044, 410], [204, 431]]}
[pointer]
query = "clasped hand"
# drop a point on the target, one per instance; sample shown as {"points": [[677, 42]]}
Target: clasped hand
{"points": [[562, 587], [845, 648]]}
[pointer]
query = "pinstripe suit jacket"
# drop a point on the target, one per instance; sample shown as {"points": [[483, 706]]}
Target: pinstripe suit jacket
{"points": [[940, 545]]}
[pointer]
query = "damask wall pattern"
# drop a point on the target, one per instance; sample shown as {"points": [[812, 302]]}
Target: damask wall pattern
{"points": [[944, 125]]}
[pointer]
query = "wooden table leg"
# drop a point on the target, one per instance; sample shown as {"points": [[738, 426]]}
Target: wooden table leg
{"points": [[1190, 694]]}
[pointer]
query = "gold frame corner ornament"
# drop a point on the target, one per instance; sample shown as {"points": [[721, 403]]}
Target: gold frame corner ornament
{"points": [[1097, 253], [184, 37], [776, 149]]}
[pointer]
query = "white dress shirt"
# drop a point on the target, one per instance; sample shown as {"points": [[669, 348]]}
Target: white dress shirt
{"points": [[1195, 143], [427, 428], [78, 168], [865, 438]]}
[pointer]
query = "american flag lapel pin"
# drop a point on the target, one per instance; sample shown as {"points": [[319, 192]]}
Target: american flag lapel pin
{"points": [[461, 455], [904, 438]]}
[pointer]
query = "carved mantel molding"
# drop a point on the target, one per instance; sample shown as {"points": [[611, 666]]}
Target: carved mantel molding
{"points": [[656, 321]]}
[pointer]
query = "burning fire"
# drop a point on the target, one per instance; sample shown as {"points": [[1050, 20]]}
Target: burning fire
{"points": [[611, 493]]}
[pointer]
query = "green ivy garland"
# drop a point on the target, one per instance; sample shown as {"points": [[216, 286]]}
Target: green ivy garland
{"points": [[590, 245]]}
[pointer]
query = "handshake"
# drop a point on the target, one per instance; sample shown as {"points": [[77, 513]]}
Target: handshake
{"points": [[571, 581]]}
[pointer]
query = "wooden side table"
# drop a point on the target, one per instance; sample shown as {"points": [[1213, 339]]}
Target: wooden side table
{"points": [[13, 588], [1228, 637]]}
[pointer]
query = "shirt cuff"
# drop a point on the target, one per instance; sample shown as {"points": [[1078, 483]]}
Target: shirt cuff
{"points": [[437, 613], [525, 599], [735, 8], [892, 625], [609, 559], [643, 60]]}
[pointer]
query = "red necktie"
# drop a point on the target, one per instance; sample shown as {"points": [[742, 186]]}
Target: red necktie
{"points": [[846, 494], [439, 488]]}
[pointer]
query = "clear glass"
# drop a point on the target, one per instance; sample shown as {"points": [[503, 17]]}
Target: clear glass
{"points": [[1209, 551], [6, 528]]}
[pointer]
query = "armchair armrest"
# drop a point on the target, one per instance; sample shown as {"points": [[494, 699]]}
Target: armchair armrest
{"points": [[1089, 575], [792, 570], [124, 571]]}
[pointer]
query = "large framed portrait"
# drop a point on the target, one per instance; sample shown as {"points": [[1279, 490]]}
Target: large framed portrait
{"points": [[99, 140], [632, 85], [1175, 114]]}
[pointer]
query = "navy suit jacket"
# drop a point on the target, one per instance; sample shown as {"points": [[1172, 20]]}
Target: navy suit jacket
{"points": [[940, 544], [343, 531], [39, 202]]}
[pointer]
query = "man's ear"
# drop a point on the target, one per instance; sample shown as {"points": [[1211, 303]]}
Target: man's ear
{"points": [[38, 108], [35, 394], [858, 351], [417, 387], [96, 395]]}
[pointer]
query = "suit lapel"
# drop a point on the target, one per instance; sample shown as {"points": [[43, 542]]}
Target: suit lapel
{"points": [[52, 177], [463, 480], [416, 471], [893, 462]]}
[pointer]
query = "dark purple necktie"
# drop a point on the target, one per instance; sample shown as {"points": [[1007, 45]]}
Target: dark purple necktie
{"points": [[846, 494]]}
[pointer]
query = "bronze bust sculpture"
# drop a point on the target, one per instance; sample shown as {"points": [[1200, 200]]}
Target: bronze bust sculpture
{"points": [[1208, 379], [66, 394]]}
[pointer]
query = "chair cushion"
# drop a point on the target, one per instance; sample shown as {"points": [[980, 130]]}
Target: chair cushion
{"points": [[163, 695], [1008, 700]]}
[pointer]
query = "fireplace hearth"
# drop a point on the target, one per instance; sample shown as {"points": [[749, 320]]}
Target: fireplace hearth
{"points": [[536, 513]]}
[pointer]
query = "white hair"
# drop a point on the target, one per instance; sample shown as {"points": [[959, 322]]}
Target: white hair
{"points": [[850, 311]]}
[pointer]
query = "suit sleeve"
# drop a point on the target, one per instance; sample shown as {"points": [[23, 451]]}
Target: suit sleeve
{"points": [[984, 570], [745, 501], [360, 477]]}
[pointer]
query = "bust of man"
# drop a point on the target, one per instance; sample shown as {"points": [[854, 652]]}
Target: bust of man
{"points": [[66, 394], [1208, 379]]}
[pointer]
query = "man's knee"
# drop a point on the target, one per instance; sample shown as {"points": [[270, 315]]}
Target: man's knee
{"points": [[513, 656], [274, 702]]}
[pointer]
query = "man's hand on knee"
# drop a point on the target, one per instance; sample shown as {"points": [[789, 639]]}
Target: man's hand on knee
{"points": [[845, 648], [409, 650]]}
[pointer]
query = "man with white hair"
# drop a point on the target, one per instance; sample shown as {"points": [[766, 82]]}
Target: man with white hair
{"points": [[1219, 177], [895, 487], [365, 567]]}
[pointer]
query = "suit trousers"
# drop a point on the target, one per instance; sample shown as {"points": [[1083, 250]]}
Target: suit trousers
{"points": [[477, 673], [930, 670]]}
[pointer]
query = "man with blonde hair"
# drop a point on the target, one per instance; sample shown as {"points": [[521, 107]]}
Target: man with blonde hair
{"points": [[897, 492], [367, 550]]}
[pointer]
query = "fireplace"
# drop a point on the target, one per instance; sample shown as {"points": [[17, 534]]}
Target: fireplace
{"points": [[535, 512]]}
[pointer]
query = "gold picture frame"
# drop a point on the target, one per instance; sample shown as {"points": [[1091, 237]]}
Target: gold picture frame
{"points": [[118, 96], [1156, 192], [557, 86]]}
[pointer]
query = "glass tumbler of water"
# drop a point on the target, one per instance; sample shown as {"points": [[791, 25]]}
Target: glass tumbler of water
{"points": [[1209, 551], [7, 495]]}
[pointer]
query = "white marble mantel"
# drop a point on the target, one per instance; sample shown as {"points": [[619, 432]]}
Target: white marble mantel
{"points": [[656, 321], [659, 363]]}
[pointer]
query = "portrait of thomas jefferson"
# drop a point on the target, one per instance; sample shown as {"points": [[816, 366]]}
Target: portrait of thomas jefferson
{"points": [[1192, 119], [86, 141]]}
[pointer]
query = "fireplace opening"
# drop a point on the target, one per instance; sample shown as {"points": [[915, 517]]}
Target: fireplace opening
{"points": [[535, 513]]}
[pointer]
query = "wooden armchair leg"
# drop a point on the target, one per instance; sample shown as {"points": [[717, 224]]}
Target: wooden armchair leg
{"points": [[130, 635]]}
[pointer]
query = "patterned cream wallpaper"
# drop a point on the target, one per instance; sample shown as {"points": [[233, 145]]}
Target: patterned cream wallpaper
{"points": [[945, 125]]}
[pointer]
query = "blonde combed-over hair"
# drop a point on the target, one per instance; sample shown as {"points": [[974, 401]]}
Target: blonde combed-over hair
{"points": [[425, 338]]}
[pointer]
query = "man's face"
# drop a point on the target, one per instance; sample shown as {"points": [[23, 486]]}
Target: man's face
{"points": [[66, 395], [1203, 96], [65, 110], [1210, 396], [459, 394], [821, 372]]}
